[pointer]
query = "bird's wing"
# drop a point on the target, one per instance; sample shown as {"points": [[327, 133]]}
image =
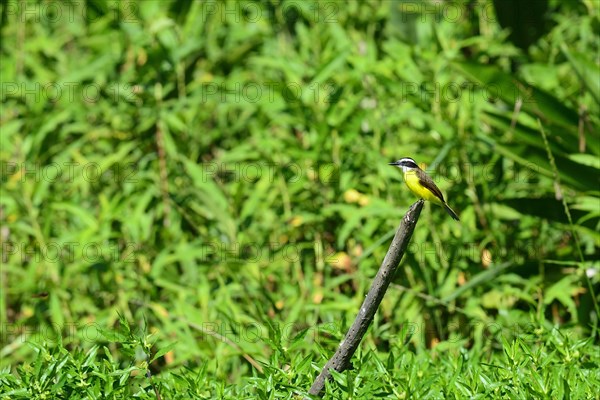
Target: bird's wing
{"points": [[426, 181]]}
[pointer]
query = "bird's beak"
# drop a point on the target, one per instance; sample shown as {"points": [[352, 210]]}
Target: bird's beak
{"points": [[394, 163]]}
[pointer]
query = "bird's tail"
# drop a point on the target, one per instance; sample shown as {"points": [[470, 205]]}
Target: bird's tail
{"points": [[451, 212]]}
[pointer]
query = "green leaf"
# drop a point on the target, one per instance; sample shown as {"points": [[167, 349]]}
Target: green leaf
{"points": [[586, 70], [562, 291], [164, 350], [495, 83]]}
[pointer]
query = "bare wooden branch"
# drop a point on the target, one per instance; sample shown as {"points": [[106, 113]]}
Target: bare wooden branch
{"points": [[341, 359]]}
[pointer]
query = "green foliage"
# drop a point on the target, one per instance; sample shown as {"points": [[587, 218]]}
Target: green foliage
{"points": [[201, 190], [541, 363]]}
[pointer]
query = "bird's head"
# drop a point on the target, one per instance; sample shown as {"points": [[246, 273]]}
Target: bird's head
{"points": [[406, 164]]}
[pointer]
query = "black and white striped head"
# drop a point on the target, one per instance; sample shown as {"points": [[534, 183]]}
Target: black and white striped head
{"points": [[406, 164]]}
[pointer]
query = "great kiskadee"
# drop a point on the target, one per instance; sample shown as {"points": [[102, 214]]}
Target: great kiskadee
{"points": [[421, 184]]}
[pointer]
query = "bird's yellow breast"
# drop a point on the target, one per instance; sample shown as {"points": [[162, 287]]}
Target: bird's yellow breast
{"points": [[412, 181]]}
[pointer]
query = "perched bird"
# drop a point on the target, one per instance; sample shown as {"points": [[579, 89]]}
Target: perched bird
{"points": [[421, 184]]}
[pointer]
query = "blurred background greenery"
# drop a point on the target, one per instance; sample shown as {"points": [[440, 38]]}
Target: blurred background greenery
{"points": [[206, 183]]}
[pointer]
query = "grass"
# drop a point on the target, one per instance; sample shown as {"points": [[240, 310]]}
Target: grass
{"points": [[541, 363], [205, 197]]}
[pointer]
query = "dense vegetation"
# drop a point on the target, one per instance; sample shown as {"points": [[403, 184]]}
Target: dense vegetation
{"points": [[195, 197]]}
